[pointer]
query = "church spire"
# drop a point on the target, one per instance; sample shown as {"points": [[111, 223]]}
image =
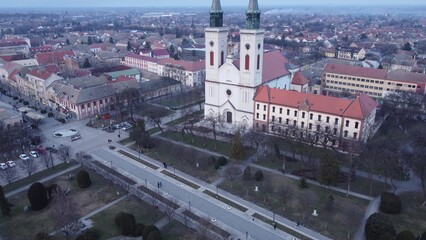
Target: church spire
{"points": [[216, 14], [253, 15]]}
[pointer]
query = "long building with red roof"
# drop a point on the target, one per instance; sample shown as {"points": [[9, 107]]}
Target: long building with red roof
{"points": [[376, 83], [314, 116]]}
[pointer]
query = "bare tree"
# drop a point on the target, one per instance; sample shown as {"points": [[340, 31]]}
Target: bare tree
{"points": [[214, 123], [30, 166], [286, 192], [46, 160], [8, 175], [350, 216], [186, 220], [190, 118], [154, 202], [306, 201], [170, 211], [156, 116], [232, 171], [82, 157], [255, 136], [64, 153], [64, 212]]}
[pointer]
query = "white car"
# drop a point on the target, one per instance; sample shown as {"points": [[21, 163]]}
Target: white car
{"points": [[3, 165], [24, 157], [11, 163], [34, 154]]}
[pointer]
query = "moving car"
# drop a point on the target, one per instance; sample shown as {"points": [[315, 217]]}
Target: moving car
{"points": [[11, 163], [34, 154], [3, 166], [24, 157], [76, 137]]}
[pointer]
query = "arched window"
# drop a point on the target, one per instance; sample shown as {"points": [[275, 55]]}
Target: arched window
{"points": [[247, 63], [222, 58], [258, 61], [211, 58]]}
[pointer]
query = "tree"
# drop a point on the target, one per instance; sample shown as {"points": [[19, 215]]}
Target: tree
{"points": [[128, 98], [377, 225], [156, 115], [147, 230], [407, 47], [43, 236], [257, 137], [286, 193], [214, 123], [232, 171], [247, 174], [111, 40], [405, 235], [258, 175], [329, 170], [37, 195], [306, 202], [64, 153], [390, 203], [155, 235], [89, 40], [86, 63], [83, 179], [237, 148], [4, 204], [350, 216], [30, 166], [67, 42], [45, 159], [129, 46], [170, 211], [8, 175], [64, 212], [81, 157]]}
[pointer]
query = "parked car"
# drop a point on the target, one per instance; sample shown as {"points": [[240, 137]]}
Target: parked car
{"points": [[127, 127], [11, 163], [24, 157], [76, 137], [34, 154], [3, 165]]}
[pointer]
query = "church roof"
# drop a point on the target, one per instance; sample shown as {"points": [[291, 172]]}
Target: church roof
{"points": [[274, 66], [216, 7], [253, 6], [299, 79]]}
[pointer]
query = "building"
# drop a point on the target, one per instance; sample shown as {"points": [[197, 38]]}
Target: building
{"points": [[314, 117], [141, 62], [188, 73], [41, 79], [373, 82], [9, 117]]}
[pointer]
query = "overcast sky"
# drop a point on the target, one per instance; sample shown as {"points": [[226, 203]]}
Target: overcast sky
{"points": [[195, 3]]}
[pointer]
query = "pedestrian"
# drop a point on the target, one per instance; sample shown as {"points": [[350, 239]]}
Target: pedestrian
{"points": [[298, 223], [275, 225], [252, 219], [158, 184], [161, 184]]}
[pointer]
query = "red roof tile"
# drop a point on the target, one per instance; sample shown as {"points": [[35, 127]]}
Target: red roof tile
{"points": [[299, 79], [52, 57], [360, 108], [42, 74], [189, 66]]}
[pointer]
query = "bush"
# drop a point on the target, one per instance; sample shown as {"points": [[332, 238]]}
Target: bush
{"points": [[37, 195], [303, 183], [377, 225], [405, 235], [26, 103], [147, 230], [138, 230], [258, 176], [118, 218], [43, 111], [15, 98], [83, 179], [127, 224], [222, 161], [43, 236], [155, 235], [247, 174], [387, 236], [422, 236], [390, 203], [50, 115]]}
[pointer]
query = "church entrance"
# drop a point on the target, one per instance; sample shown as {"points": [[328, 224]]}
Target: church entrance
{"points": [[229, 117]]}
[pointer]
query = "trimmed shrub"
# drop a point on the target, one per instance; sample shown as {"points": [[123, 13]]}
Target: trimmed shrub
{"points": [[127, 224], [43, 236], [422, 236], [303, 183], [390, 203], [258, 176], [50, 115], [147, 230], [42, 111], [247, 174], [37, 195], [155, 235], [377, 225], [26, 103], [138, 230], [405, 235], [83, 179], [387, 236], [118, 218], [222, 161]]}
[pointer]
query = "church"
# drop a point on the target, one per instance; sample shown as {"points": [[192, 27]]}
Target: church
{"points": [[231, 81]]}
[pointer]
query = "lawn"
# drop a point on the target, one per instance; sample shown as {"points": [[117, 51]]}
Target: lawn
{"points": [[86, 201], [143, 212], [143, 109], [412, 216], [175, 155], [181, 100], [284, 197]]}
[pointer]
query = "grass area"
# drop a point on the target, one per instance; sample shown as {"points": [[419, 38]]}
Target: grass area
{"points": [[37, 176], [144, 109], [224, 234], [223, 148], [129, 155], [181, 100], [86, 200], [143, 212], [175, 231], [125, 141], [115, 173], [281, 227], [182, 180], [284, 196], [225, 200], [412, 216], [199, 114], [183, 158], [154, 130]]}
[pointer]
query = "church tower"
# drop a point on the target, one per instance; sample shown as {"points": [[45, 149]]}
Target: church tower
{"points": [[251, 48]]}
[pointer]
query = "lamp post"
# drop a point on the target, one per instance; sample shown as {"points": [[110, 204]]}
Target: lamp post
{"points": [[111, 164], [189, 206]]}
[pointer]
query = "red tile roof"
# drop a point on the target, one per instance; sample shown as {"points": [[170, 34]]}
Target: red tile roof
{"points": [[359, 108], [46, 48], [102, 46], [355, 71], [39, 73], [53, 57], [160, 52], [144, 58], [52, 68], [189, 66], [299, 79]]}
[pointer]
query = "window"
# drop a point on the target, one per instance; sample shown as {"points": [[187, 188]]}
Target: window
{"points": [[303, 115], [295, 123], [273, 109], [264, 107], [211, 58], [281, 111], [318, 128], [302, 124], [295, 113], [273, 119], [345, 134], [258, 61], [311, 116], [100, 101], [347, 123], [257, 106], [280, 120], [273, 128], [327, 119], [247, 62], [319, 117], [288, 112], [310, 126], [82, 106], [88, 105], [356, 125], [287, 121], [222, 58], [335, 131], [355, 135], [94, 103], [257, 125], [257, 115], [264, 116], [327, 129]]}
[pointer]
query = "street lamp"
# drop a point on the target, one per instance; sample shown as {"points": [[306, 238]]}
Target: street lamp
{"points": [[111, 164], [273, 216], [217, 192]]}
